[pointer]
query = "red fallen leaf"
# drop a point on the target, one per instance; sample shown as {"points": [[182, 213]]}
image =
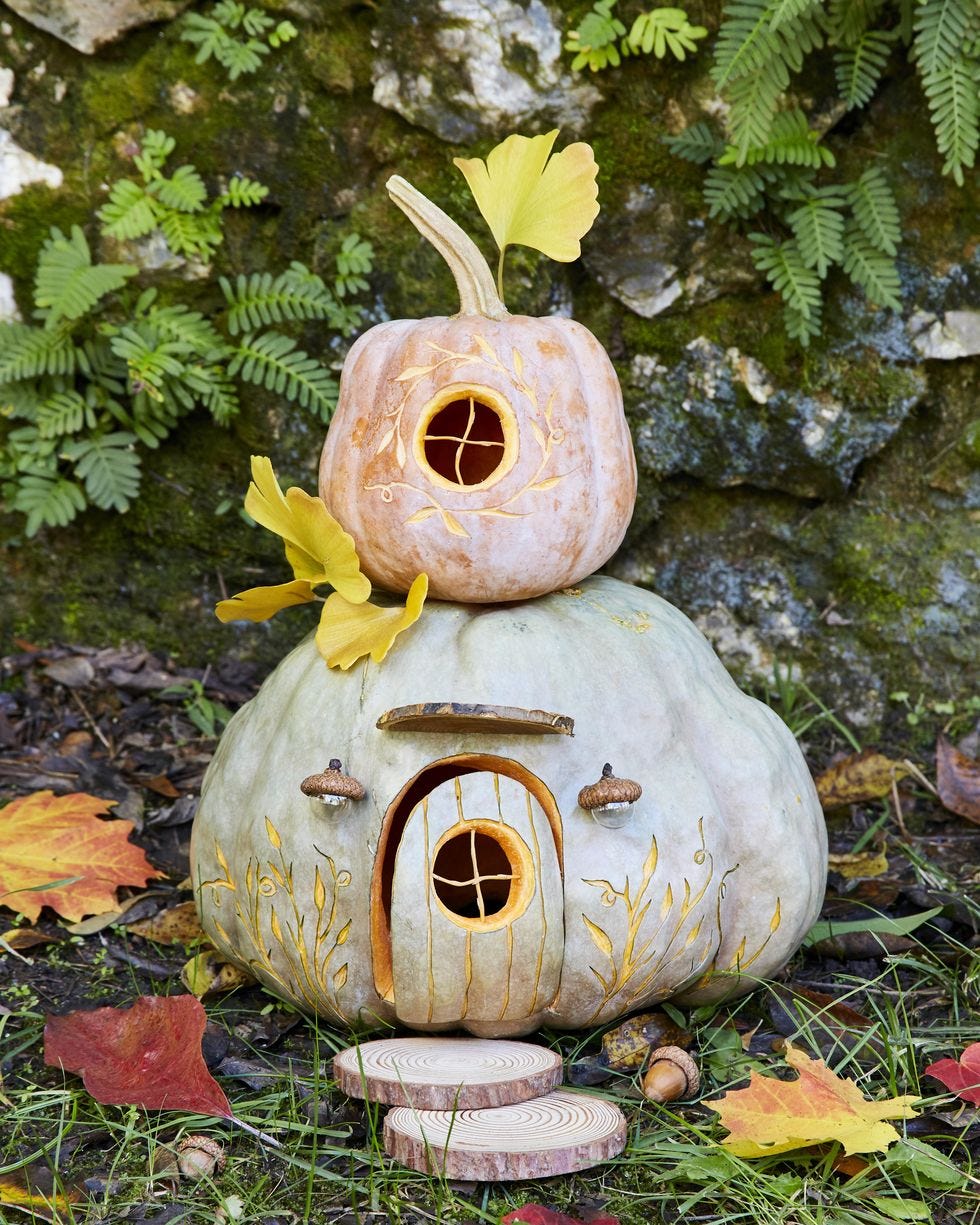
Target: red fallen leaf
{"points": [[961, 1076], [537, 1214], [957, 780], [148, 1055]]}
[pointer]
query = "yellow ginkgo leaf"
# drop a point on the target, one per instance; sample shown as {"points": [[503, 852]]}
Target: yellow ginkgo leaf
{"points": [[347, 631], [530, 201], [317, 547], [261, 603]]}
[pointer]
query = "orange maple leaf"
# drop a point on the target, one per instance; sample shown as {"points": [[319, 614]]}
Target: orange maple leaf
{"points": [[59, 841], [774, 1116]]}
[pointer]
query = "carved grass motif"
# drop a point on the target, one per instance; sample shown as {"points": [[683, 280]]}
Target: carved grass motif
{"points": [[546, 432], [266, 901], [655, 944]]}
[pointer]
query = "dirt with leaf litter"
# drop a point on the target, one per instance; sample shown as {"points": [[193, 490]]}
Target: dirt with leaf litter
{"points": [[132, 727]]}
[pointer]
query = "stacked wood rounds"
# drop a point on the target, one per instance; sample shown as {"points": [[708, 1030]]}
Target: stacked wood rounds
{"points": [[480, 1109]]}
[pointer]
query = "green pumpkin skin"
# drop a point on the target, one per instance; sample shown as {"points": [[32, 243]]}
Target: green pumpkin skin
{"points": [[707, 887]]}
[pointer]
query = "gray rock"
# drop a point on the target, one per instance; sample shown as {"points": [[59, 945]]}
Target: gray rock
{"points": [[466, 68], [18, 168], [957, 335], [87, 25], [6, 85], [719, 415], [8, 303]]}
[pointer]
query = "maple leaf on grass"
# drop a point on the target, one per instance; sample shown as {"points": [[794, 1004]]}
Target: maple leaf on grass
{"points": [[775, 1116], [148, 1055], [55, 851], [961, 1076]]}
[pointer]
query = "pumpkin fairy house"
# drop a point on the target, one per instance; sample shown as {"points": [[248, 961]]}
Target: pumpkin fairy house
{"points": [[549, 803]]}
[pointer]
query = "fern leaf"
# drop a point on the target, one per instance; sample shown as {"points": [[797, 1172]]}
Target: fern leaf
{"points": [[109, 467], [63, 412], [156, 147], [67, 283], [221, 399], [244, 192], [274, 362], [786, 271], [753, 101], [783, 12], [954, 107], [818, 228], [662, 30], [48, 502], [875, 210], [790, 142], [940, 28], [858, 69], [184, 190], [595, 38], [27, 352], [205, 33], [870, 268], [189, 328], [191, 233], [848, 20], [733, 191], [803, 327], [746, 42], [241, 57], [260, 299], [699, 143], [129, 212]]}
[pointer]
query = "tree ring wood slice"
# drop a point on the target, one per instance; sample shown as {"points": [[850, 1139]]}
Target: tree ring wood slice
{"points": [[447, 1073], [556, 1134]]}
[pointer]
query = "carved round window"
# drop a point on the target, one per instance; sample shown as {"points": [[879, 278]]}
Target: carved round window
{"points": [[466, 438], [482, 875]]}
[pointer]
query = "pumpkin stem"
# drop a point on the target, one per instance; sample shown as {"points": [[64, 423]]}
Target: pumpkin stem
{"points": [[474, 280]]}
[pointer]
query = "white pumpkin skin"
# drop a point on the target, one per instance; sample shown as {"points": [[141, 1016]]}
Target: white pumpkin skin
{"points": [[720, 866]]}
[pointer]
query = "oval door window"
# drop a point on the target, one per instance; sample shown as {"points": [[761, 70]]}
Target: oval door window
{"points": [[482, 875]]}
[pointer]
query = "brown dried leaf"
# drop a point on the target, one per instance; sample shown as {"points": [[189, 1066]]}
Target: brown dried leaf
{"points": [[958, 780], [178, 925], [863, 776], [860, 865]]}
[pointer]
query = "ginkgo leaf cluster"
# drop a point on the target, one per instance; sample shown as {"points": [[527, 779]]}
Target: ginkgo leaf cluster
{"points": [[320, 553]]}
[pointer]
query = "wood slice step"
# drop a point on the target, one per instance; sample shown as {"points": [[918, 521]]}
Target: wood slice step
{"points": [[447, 1073], [556, 1134]]}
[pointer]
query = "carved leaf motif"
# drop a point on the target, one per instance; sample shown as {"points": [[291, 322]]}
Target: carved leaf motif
{"points": [[413, 372], [538, 435], [344, 932], [400, 451], [453, 524], [487, 348], [386, 441], [340, 978], [496, 513], [518, 363], [599, 937], [550, 483], [419, 515]]}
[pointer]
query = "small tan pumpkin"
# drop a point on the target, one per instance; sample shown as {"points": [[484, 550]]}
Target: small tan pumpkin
{"points": [[480, 875], [489, 450]]}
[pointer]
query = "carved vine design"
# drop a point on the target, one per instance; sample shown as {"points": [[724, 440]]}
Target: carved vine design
{"points": [[646, 954], [547, 434], [269, 888]]}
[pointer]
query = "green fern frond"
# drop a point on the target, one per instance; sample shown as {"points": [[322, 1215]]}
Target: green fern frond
{"points": [[183, 191], [848, 20], [355, 259], [746, 41], [27, 352], [871, 269], [47, 502], [954, 107], [596, 38], [791, 142], [940, 28], [783, 12], [875, 210], [109, 467], [63, 412], [858, 68], [261, 299], [733, 191], [664, 29], [699, 143], [241, 57], [803, 327], [100, 365], [155, 148], [148, 359], [192, 233], [221, 399], [67, 283], [818, 228], [190, 328], [787, 272], [129, 212], [255, 22], [753, 100], [244, 192], [274, 362]]}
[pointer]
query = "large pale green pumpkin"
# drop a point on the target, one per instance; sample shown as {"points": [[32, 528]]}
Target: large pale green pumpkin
{"points": [[468, 888]]}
